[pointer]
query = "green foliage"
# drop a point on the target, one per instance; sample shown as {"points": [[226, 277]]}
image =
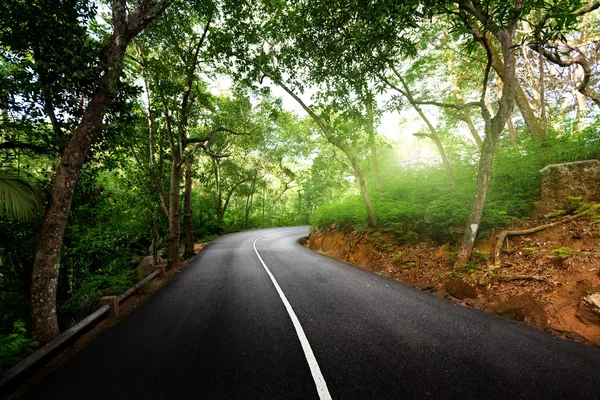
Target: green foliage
{"points": [[480, 256], [282, 171], [422, 200], [563, 252], [15, 346], [18, 197], [350, 210]]}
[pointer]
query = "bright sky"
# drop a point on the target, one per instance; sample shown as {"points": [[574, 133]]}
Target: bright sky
{"points": [[398, 131]]}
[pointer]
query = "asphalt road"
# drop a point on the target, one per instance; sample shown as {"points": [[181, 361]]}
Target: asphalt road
{"points": [[220, 330]]}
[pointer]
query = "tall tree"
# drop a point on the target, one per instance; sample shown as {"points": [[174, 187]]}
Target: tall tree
{"points": [[126, 24], [169, 56]]}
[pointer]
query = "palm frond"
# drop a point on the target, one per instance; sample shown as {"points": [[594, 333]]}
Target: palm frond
{"points": [[18, 197]]}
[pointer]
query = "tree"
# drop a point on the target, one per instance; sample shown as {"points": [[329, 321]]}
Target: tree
{"points": [[126, 25], [501, 23]]}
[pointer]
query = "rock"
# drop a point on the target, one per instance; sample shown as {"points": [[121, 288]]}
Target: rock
{"points": [[145, 268], [476, 303], [460, 289], [524, 308], [574, 179], [589, 309], [303, 240]]}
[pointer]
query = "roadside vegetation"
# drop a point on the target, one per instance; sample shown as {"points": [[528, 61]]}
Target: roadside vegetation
{"points": [[135, 129], [419, 203]]}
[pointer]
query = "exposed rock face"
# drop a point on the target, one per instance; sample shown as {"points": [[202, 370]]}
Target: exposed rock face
{"points": [[589, 309], [146, 267], [524, 308], [559, 181], [460, 289]]}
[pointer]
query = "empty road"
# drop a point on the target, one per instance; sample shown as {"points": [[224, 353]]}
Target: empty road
{"points": [[257, 316]]}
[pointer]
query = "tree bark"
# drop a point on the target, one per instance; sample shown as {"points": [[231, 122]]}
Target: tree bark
{"points": [[370, 128], [219, 206], [465, 116], [531, 121], [178, 150], [509, 124], [188, 222], [364, 191], [484, 176], [249, 199], [264, 198], [44, 280], [44, 323], [174, 211], [494, 127]]}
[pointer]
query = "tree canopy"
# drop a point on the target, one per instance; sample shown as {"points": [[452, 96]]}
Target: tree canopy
{"points": [[130, 128]]}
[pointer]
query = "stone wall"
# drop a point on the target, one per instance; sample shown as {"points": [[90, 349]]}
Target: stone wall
{"points": [[559, 181]]}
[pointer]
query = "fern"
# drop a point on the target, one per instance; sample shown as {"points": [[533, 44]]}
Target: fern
{"points": [[17, 196], [85, 294], [15, 346]]}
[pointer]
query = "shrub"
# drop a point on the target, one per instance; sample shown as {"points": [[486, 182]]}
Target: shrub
{"points": [[15, 346], [421, 202]]}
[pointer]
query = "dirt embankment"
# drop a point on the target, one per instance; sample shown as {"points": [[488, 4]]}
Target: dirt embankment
{"points": [[549, 279]]}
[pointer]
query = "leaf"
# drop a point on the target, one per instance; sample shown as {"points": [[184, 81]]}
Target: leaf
{"points": [[17, 196]]}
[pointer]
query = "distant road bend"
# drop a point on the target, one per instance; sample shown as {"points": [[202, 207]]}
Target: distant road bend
{"points": [[257, 316]]}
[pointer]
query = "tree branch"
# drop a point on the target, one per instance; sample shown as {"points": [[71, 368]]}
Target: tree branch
{"points": [[143, 15], [23, 146], [580, 60]]}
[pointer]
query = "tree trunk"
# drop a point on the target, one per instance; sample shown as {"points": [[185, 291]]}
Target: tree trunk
{"points": [[484, 176], [509, 123], [249, 199], [465, 116], [531, 121], [219, 206], [174, 211], [44, 279], [264, 199], [223, 209], [370, 127], [494, 127], [543, 114], [188, 221], [364, 190], [513, 134], [44, 324], [581, 111]]}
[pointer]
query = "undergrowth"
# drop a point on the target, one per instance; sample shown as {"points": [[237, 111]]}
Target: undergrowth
{"points": [[421, 202]]}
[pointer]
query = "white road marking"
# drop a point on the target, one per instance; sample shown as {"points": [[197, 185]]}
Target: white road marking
{"points": [[308, 353]]}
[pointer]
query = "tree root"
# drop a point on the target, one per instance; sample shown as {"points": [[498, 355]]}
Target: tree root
{"points": [[523, 278], [505, 234]]}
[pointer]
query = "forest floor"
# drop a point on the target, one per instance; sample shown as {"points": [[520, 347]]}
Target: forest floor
{"points": [[556, 267]]}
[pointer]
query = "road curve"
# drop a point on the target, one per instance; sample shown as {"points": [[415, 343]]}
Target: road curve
{"points": [[220, 330]]}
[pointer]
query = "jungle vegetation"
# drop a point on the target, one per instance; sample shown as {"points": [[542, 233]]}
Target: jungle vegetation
{"points": [[137, 128]]}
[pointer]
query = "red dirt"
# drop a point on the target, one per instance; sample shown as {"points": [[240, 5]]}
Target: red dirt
{"points": [[562, 280]]}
